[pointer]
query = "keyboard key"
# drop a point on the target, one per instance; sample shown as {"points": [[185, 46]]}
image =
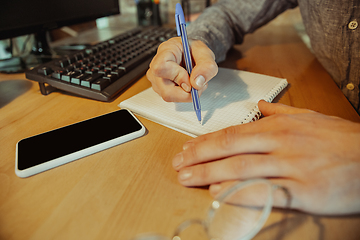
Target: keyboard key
{"points": [[71, 60], [78, 78], [98, 67], [111, 77], [89, 51], [56, 75], [82, 69], [100, 84], [86, 82], [70, 68], [91, 71], [127, 66], [79, 56], [67, 76], [77, 64], [62, 63], [45, 71], [118, 72]]}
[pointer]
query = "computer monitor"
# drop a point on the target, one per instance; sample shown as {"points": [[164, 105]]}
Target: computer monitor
{"points": [[22, 17]]}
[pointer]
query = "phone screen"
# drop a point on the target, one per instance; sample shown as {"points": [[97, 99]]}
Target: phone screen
{"points": [[51, 145]]}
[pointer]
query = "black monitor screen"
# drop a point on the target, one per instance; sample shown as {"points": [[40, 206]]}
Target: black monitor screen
{"points": [[20, 17]]}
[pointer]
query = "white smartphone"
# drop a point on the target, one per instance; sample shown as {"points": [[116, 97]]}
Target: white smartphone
{"points": [[57, 147]]}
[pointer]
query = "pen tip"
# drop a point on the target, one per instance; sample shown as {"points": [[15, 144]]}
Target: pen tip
{"points": [[200, 122]]}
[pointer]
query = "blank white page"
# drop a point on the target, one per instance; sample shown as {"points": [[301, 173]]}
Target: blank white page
{"points": [[230, 99]]}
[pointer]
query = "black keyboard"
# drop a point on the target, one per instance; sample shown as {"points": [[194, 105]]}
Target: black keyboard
{"points": [[103, 70]]}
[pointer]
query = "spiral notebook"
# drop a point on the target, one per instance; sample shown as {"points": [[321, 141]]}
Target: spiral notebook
{"points": [[230, 99]]}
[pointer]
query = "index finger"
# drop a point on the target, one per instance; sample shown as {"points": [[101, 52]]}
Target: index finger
{"points": [[166, 63], [205, 67]]}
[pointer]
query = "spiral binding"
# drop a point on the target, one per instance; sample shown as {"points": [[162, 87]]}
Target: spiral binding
{"points": [[255, 113]]}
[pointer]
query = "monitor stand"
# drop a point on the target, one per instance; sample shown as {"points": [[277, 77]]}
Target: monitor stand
{"points": [[40, 53]]}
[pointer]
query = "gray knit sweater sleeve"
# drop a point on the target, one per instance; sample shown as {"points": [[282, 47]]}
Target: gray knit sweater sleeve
{"points": [[226, 22]]}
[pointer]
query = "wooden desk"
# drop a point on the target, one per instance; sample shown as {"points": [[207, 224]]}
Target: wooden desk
{"points": [[132, 188]]}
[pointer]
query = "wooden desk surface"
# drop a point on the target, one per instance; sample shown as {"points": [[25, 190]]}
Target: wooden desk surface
{"points": [[132, 188]]}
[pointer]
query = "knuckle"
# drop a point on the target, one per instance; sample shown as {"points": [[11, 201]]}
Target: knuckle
{"points": [[172, 43], [241, 166], [149, 75], [212, 67], [193, 152], [203, 172], [156, 69], [162, 92], [164, 44], [167, 97], [282, 119], [228, 137]]}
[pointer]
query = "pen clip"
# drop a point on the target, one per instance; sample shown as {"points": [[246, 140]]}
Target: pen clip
{"points": [[179, 18], [177, 25]]}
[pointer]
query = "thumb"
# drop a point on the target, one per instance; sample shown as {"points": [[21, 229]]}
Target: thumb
{"points": [[205, 67], [268, 109]]}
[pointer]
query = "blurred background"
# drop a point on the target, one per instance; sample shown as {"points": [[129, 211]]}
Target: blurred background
{"points": [[132, 14]]}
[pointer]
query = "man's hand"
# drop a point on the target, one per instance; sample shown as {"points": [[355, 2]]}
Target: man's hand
{"points": [[316, 157], [170, 79]]}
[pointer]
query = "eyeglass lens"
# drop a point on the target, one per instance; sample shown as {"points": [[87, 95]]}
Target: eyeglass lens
{"points": [[241, 213]]}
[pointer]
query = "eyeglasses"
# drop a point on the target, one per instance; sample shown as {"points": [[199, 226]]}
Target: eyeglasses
{"points": [[238, 213]]}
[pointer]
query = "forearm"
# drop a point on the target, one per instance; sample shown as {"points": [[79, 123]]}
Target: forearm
{"points": [[226, 22]]}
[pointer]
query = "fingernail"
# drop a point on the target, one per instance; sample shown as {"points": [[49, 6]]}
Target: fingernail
{"points": [[185, 174], [215, 188], [200, 81], [187, 145], [178, 160], [205, 87], [185, 87]]}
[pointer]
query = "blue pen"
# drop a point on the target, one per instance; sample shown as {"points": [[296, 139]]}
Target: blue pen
{"points": [[181, 31]]}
